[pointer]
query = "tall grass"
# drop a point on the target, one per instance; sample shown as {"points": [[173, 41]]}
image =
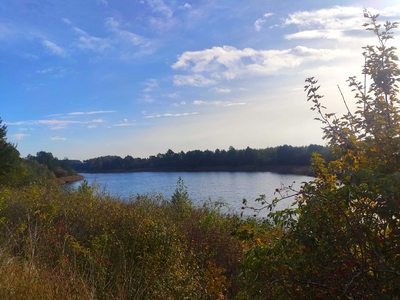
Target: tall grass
{"points": [[84, 244]]}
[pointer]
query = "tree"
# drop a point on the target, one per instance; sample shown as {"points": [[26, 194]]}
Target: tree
{"points": [[341, 240], [9, 156]]}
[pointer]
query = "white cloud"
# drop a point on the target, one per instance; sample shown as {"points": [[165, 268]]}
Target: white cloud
{"points": [[89, 42], [20, 136], [100, 112], [57, 138], [92, 126], [218, 103], [146, 99], [45, 71], [159, 6], [125, 35], [52, 48], [332, 23], [186, 6], [97, 121], [56, 124], [227, 62], [66, 21], [168, 115], [259, 23], [221, 90], [173, 95], [194, 80], [103, 2], [124, 124], [76, 113], [179, 104], [150, 85]]}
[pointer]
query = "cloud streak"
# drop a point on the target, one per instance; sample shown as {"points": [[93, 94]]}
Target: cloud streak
{"points": [[259, 23], [53, 49], [168, 115], [218, 103]]}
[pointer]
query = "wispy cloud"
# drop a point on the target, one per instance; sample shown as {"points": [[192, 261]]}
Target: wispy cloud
{"points": [[52, 48], [20, 136], [125, 35], [228, 63], [103, 2], [167, 115], [101, 112], [124, 124], [151, 84], [222, 90], [218, 103], [259, 23], [118, 40], [77, 113], [66, 21], [193, 80], [58, 138], [158, 6], [56, 124], [185, 6], [45, 71], [88, 42], [97, 121], [179, 104]]}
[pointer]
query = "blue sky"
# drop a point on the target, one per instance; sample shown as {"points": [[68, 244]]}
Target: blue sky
{"points": [[83, 79]]}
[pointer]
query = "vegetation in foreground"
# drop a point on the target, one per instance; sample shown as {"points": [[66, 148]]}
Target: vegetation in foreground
{"points": [[340, 239], [92, 246]]}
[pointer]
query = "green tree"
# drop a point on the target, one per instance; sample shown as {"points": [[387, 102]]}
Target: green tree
{"points": [[9, 157], [342, 238]]}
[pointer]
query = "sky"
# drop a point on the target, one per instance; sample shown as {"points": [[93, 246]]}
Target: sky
{"points": [[83, 79]]}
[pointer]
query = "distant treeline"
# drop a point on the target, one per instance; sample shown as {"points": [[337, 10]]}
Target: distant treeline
{"points": [[244, 159]]}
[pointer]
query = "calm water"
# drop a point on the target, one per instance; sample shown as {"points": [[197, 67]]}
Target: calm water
{"points": [[229, 187]]}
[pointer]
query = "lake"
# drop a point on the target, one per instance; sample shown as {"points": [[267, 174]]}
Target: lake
{"points": [[229, 187]]}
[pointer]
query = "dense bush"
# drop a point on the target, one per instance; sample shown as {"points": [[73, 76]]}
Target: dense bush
{"points": [[342, 238], [92, 246]]}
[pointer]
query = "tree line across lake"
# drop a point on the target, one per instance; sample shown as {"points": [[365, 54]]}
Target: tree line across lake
{"points": [[244, 159]]}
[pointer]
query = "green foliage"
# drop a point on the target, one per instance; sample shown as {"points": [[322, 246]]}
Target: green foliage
{"points": [[342, 241], [60, 168], [180, 200], [9, 157], [283, 158]]}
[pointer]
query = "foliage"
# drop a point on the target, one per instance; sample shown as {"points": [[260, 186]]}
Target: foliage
{"points": [[60, 168], [66, 243], [234, 159], [9, 157], [342, 240]]}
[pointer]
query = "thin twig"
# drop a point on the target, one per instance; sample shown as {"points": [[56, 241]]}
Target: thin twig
{"points": [[345, 103]]}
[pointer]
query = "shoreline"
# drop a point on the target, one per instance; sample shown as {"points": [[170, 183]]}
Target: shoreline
{"points": [[295, 170]]}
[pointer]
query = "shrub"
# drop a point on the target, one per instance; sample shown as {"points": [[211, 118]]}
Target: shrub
{"points": [[342, 239]]}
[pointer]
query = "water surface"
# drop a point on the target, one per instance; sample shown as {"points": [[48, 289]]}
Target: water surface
{"points": [[229, 187]]}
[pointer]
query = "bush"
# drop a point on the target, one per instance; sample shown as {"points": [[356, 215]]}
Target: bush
{"points": [[342, 239]]}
